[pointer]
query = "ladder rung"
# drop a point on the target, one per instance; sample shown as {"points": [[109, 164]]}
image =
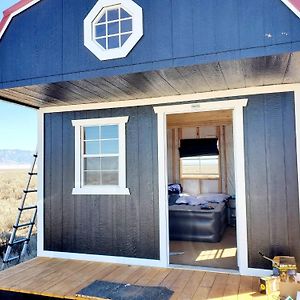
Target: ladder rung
{"points": [[11, 259], [27, 207], [29, 191], [32, 173], [23, 225], [18, 242]]}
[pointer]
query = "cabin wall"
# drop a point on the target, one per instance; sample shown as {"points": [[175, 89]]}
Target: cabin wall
{"points": [[271, 177], [99, 224], [50, 47], [129, 225]]}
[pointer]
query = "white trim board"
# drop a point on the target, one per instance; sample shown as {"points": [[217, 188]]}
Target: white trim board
{"points": [[239, 163], [177, 98]]}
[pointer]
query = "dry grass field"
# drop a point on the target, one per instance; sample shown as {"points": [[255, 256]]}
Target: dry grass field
{"points": [[12, 183]]}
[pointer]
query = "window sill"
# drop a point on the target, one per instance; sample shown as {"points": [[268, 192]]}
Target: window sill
{"points": [[109, 190]]}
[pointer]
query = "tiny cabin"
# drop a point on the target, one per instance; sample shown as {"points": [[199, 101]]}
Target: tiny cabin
{"points": [[169, 130]]}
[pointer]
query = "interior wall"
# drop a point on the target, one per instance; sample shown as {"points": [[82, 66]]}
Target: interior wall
{"points": [[195, 186]]}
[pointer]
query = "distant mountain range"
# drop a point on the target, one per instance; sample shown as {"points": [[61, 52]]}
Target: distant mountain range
{"points": [[15, 158]]}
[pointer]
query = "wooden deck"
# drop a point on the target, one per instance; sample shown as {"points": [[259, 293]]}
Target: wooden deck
{"points": [[63, 278]]}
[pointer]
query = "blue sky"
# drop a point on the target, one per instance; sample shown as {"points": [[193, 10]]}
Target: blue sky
{"points": [[6, 3], [18, 124]]}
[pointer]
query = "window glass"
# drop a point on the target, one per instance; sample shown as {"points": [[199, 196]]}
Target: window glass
{"points": [[200, 167], [113, 28], [91, 147], [92, 178], [112, 14], [100, 30], [110, 132], [101, 155], [92, 163], [110, 178], [91, 133], [109, 163], [126, 26], [109, 147], [124, 14]]}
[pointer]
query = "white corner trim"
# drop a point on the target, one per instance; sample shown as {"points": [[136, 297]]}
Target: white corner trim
{"points": [[240, 188], [79, 188], [103, 258], [40, 184], [297, 129], [238, 137], [292, 7], [15, 13], [281, 88], [137, 29]]}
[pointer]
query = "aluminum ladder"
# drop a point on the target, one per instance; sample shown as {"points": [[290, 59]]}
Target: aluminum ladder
{"points": [[13, 241]]}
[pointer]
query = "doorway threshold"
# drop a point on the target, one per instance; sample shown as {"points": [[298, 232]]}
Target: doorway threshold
{"points": [[205, 269]]}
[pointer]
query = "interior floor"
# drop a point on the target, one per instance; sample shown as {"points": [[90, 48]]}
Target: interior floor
{"points": [[222, 255]]}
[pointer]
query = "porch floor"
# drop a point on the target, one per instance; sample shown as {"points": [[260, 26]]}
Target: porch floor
{"points": [[62, 278]]}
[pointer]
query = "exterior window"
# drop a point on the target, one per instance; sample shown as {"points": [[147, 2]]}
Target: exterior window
{"points": [[100, 156], [200, 167], [112, 28]]}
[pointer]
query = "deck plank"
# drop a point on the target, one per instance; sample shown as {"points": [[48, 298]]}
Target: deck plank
{"points": [[63, 278], [192, 286]]}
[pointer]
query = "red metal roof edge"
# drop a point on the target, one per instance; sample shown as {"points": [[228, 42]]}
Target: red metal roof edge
{"points": [[10, 12], [296, 3]]}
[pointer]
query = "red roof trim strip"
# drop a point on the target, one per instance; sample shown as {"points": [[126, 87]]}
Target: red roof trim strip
{"points": [[293, 5], [14, 10]]}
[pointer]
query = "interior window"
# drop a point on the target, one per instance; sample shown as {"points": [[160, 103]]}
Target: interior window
{"points": [[202, 167]]}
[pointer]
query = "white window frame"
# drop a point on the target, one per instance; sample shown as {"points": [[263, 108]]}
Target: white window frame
{"points": [[137, 29], [81, 189]]}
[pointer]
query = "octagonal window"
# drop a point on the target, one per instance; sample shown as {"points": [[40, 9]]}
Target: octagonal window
{"points": [[112, 28]]}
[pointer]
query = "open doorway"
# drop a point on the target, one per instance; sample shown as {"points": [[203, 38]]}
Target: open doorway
{"points": [[202, 219]]}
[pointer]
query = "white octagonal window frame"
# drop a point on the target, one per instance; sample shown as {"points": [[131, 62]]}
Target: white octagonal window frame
{"points": [[92, 19]]}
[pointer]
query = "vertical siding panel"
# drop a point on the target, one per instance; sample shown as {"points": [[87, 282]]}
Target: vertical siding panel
{"points": [[277, 23], [155, 187], [252, 30], [68, 182], [162, 47], [292, 193], [256, 181], [276, 175], [119, 204], [183, 43], [106, 229], [145, 161], [227, 25], [47, 181], [133, 235], [92, 206], [56, 182], [204, 33]]}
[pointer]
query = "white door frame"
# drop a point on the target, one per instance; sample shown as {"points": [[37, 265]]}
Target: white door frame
{"points": [[239, 166]]}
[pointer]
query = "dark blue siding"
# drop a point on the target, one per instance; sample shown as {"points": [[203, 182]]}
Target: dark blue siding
{"points": [[45, 43]]}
